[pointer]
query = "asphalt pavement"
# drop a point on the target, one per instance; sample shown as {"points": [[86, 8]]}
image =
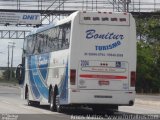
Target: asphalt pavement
{"points": [[13, 107]]}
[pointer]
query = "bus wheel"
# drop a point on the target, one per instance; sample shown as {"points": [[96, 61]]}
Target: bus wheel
{"points": [[52, 101], [28, 101], [31, 103], [58, 106]]}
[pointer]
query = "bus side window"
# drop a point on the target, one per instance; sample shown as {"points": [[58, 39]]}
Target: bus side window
{"points": [[66, 36], [25, 47]]}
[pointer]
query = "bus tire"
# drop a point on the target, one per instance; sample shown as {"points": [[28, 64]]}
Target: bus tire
{"points": [[52, 101], [58, 106], [29, 103]]}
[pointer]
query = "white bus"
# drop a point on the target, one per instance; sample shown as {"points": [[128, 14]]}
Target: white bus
{"points": [[86, 59]]}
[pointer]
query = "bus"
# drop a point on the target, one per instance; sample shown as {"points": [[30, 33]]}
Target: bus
{"points": [[86, 59]]}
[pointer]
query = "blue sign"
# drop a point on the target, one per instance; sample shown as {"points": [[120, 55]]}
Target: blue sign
{"points": [[30, 17]]}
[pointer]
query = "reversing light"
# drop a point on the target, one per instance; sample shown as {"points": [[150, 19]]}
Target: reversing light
{"points": [[72, 76]]}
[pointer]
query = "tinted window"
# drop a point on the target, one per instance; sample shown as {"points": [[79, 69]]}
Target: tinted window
{"points": [[53, 39]]}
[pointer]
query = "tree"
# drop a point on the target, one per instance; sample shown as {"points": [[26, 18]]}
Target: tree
{"points": [[6, 74], [148, 54]]}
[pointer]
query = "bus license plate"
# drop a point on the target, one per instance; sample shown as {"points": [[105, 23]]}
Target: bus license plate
{"points": [[103, 82]]}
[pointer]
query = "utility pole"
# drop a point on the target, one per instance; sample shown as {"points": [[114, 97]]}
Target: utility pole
{"points": [[8, 65], [125, 4], [12, 46]]}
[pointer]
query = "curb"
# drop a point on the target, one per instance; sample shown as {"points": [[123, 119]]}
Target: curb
{"points": [[147, 102]]}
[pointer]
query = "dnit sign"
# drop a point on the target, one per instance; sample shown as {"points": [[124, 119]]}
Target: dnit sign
{"points": [[30, 17]]}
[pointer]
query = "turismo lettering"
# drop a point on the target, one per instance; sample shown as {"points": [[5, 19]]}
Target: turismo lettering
{"points": [[91, 34], [107, 47]]}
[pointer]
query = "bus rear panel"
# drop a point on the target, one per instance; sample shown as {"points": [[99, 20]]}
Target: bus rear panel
{"points": [[102, 59]]}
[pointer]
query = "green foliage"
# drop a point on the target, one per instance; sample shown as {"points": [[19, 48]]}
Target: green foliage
{"points": [[148, 55], [6, 75]]}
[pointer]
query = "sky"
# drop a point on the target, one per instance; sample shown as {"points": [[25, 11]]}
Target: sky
{"points": [[19, 42], [17, 51]]}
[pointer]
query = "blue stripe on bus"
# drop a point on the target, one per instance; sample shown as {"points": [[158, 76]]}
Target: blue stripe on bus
{"points": [[38, 81], [38, 87], [63, 89], [33, 86], [43, 65]]}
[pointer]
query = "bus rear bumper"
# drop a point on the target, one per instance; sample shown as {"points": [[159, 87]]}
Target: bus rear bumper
{"points": [[102, 97]]}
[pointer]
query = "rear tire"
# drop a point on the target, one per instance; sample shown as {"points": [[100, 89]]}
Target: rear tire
{"points": [[58, 106], [52, 101], [31, 103], [27, 97]]}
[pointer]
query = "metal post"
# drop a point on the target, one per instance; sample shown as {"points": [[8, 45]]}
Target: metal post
{"points": [[113, 5], [96, 5], [8, 64], [17, 4], [38, 5], [86, 5], [133, 5], [92, 5], [124, 6], [154, 5], [59, 8], [41, 4], [11, 70], [139, 6], [118, 5]]}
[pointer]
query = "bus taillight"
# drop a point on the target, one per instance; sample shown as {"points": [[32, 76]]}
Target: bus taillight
{"points": [[133, 79], [72, 77]]}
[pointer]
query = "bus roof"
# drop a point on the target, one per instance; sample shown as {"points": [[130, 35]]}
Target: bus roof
{"points": [[85, 18]]}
